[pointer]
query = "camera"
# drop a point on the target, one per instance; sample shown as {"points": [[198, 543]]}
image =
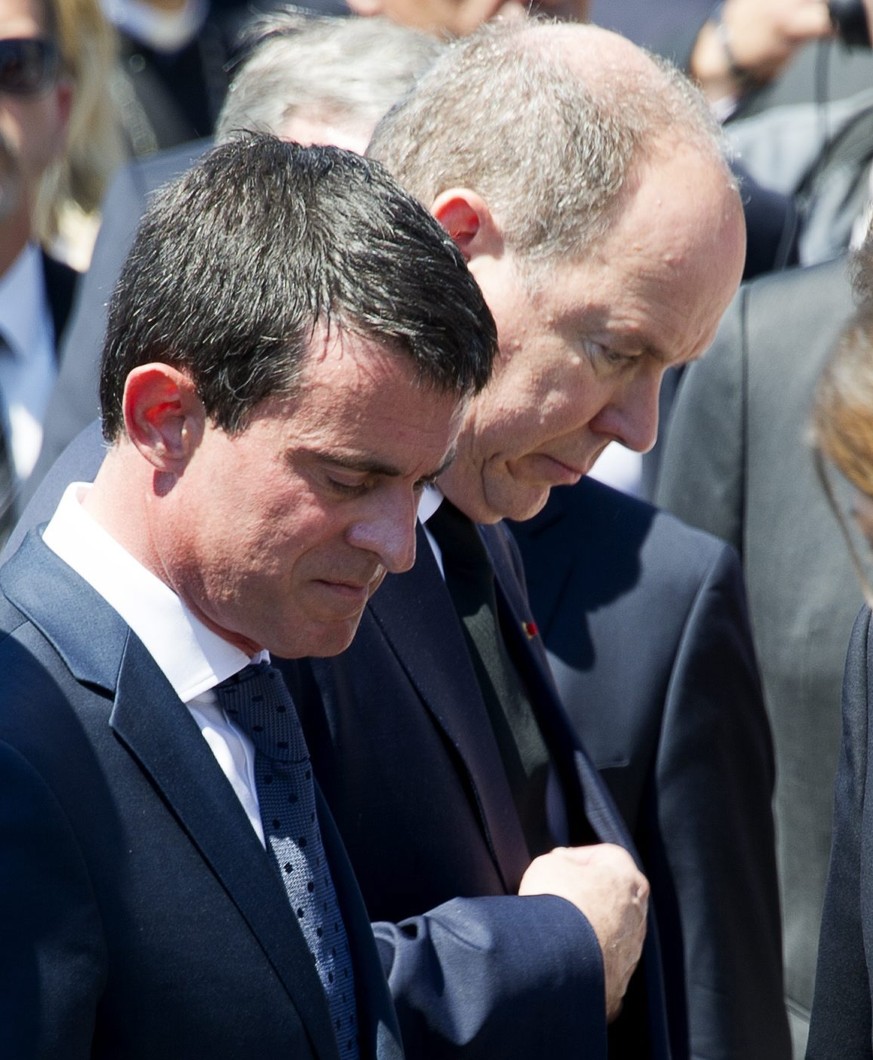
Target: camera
{"points": [[849, 18]]}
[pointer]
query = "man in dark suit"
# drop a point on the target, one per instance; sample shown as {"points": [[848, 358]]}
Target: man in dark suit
{"points": [[270, 420], [841, 1024], [582, 353], [645, 624], [737, 463], [841, 1027]]}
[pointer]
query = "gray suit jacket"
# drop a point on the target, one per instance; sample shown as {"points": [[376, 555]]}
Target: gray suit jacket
{"points": [[737, 463]]}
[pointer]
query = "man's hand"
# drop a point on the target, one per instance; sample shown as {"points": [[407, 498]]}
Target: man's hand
{"points": [[762, 36], [603, 882]]}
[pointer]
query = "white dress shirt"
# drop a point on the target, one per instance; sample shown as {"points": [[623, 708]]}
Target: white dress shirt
{"points": [[192, 658], [28, 367]]}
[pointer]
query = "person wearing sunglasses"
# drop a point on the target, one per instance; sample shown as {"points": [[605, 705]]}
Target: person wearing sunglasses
{"points": [[35, 290]]}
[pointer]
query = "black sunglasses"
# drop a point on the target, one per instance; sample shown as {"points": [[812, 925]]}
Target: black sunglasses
{"points": [[28, 67]]}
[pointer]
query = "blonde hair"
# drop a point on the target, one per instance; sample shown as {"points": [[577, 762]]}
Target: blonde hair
{"points": [[72, 190], [842, 409]]}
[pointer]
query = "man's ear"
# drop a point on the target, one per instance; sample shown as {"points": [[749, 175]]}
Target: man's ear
{"points": [[467, 218], [163, 416]]}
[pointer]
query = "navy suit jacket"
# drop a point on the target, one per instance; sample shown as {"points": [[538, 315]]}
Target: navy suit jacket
{"points": [[647, 631], [405, 756], [139, 914], [841, 1025], [412, 773]]}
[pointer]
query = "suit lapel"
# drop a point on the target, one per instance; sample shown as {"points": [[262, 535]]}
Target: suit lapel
{"points": [[530, 657], [584, 780], [552, 575], [60, 286], [408, 608], [158, 731]]}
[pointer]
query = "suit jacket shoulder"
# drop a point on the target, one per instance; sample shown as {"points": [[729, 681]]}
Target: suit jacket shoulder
{"points": [[647, 631], [131, 881]]}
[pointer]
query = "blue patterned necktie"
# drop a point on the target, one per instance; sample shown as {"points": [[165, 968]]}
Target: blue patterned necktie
{"points": [[258, 700]]}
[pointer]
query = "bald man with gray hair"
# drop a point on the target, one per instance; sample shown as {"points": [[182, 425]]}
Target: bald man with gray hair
{"points": [[586, 185]]}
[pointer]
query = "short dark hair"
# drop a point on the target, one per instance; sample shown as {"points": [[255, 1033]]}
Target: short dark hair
{"points": [[239, 260]]}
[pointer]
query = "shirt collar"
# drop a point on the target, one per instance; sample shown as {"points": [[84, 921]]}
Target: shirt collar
{"points": [[191, 656], [164, 31], [23, 308], [431, 499]]}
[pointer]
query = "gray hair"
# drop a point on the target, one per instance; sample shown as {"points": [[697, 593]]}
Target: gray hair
{"points": [[350, 70], [510, 113]]}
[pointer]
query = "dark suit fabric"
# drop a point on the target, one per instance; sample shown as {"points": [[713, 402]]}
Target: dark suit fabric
{"points": [[139, 914], [403, 751], [647, 633], [60, 286], [398, 729], [738, 463], [842, 1025]]}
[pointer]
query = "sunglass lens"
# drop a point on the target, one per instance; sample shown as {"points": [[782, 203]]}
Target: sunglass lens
{"points": [[27, 67]]}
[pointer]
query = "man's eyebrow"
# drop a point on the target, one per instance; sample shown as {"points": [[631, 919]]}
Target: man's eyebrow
{"points": [[370, 466]]}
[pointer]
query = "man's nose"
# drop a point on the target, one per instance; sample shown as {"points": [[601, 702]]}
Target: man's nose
{"points": [[633, 415], [388, 530]]}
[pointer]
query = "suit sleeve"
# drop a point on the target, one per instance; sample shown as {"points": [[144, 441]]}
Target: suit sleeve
{"points": [[701, 471], [840, 1026], [51, 952], [713, 836], [507, 976]]}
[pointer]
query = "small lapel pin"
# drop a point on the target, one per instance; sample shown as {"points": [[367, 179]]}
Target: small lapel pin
{"points": [[530, 629]]}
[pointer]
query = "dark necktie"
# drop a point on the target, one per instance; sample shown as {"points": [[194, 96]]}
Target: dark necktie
{"points": [[258, 700], [470, 581]]}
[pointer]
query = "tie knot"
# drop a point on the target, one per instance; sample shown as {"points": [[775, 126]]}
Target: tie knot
{"points": [[258, 700], [463, 552]]}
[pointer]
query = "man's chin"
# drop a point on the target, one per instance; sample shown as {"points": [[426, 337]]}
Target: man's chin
{"points": [[522, 504], [330, 639], [499, 500]]}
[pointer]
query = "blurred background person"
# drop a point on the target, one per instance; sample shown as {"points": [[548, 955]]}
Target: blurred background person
{"points": [[841, 1026], [173, 71], [56, 150], [72, 188]]}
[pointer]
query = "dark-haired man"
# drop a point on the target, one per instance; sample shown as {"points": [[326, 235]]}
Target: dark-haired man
{"points": [[270, 420]]}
